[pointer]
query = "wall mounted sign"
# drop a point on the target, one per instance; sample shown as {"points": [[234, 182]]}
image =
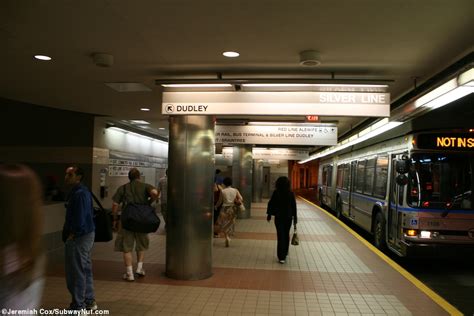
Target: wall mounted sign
{"points": [[284, 134], [305, 103]]}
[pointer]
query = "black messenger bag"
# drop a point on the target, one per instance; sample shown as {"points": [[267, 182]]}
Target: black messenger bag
{"points": [[140, 218]]}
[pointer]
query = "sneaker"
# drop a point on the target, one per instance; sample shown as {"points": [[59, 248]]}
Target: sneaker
{"points": [[128, 277], [282, 261], [92, 305], [140, 273]]}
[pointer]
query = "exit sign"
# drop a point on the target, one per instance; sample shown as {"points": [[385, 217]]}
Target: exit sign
{"points": [[312, 118]]}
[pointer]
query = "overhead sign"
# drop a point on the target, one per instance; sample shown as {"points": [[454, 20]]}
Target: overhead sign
{"points": [[277, 103], [284, 134], [271, 153], [279, 153]]}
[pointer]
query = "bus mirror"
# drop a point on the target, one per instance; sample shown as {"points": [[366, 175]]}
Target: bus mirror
{"points": [[402, 166], [402, 179]]}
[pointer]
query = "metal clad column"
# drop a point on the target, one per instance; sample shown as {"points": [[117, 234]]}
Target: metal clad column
{"points": [[242, 175], [190, 197], [257, 180]]}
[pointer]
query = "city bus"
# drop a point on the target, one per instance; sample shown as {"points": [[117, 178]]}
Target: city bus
{"points": [[412, 192]]}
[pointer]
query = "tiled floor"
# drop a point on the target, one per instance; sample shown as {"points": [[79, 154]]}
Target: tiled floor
{"points": [[329, 273]]}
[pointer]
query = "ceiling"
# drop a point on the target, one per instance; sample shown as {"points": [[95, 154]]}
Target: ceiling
{"points": [[393, 40]]}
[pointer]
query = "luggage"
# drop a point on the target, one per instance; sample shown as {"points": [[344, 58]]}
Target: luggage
{"points": [[140, 218]]}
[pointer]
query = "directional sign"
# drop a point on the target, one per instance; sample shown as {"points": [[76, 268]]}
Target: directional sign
{"points": [[284, 134], [277, 103], [270, 153]]}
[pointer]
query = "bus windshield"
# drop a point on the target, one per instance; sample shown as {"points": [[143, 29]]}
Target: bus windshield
{"points": [[443, 181]]}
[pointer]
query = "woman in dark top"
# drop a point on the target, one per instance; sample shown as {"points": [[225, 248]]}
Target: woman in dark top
{"points": [[282, 205]]}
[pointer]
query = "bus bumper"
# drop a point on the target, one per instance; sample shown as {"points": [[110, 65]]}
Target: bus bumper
{"points": [[437, 250]]}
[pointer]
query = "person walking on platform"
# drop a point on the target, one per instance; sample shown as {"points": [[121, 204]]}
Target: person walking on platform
{"points": [[163, 191], [282, 205], [229, 196], [78, 236], [133, 192]]}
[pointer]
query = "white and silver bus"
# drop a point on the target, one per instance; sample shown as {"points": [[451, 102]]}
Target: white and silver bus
{"points": [[412, 192]]}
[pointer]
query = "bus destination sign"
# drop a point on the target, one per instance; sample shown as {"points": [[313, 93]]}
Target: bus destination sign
{"points": [[446, 141]]}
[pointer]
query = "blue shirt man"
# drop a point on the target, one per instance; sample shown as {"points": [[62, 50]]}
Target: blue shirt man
{"points": [[79, 233], [79, 213]]}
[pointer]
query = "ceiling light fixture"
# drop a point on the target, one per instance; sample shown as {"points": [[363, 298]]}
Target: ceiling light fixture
{"points": [[103, 60], [196, 85], [231, 54], [138, 130], [316, 87], [139, 122], [375, 129], [144, 109], [310, 58], [42, 57], [448, 92]]}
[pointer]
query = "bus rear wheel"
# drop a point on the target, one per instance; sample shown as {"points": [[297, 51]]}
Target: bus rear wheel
{"points": [[379, 231]]}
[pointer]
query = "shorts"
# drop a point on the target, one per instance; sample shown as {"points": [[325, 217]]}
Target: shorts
{"points": [[126, 240]]}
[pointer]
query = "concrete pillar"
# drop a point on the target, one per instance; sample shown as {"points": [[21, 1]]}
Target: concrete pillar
{"points": [[257, 181], [190, 197], [242, 175]]}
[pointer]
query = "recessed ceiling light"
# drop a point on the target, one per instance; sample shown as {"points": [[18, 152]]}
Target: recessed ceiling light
{"points": [[231, 54], [42, 57], [144, 109]]}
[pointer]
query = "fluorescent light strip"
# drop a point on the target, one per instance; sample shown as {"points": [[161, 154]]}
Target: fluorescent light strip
{"points": [[370, 132], [449, 91], [196, 85], [276, 85], [467, 78], [118, 129], [140, 122]]}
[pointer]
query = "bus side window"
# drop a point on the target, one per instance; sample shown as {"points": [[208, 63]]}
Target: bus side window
{"points": [[381, 173], [359, 183], [329, 176], [369, 176], [339, 177], [346, 177]]}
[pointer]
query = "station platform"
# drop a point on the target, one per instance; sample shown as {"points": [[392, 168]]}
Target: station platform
{"points": [[331, 272]]}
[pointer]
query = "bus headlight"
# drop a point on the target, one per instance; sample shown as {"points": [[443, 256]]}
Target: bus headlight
{"points": [[425, 234]]}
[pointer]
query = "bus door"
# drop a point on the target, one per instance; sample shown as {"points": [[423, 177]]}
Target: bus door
{"points": [[396, 201], [351, 188]]}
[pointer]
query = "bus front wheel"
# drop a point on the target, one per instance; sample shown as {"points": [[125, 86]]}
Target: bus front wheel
{"points": [[379, 231]]}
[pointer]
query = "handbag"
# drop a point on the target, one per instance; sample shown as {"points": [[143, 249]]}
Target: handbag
{"points": [[295, 240], [239, 204], [103, 222], [140, 218]]}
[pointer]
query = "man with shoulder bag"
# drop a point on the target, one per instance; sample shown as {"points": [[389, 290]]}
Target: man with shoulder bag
{"points": [[135, 193], [78, 236]]}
